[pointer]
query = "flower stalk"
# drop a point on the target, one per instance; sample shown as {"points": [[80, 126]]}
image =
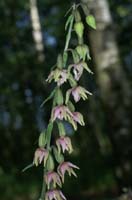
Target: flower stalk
{"points": [[52, 156]]}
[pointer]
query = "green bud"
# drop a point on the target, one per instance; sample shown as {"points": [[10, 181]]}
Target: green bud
{"points": [[90, 20], [79, 29]]}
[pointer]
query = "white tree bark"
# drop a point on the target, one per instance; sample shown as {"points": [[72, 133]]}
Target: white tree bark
{"points": [[113, 86], [105, 50], [37, 32]]}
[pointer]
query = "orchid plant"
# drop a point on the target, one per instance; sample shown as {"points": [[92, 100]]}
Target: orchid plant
{"points": [[52, 156]]}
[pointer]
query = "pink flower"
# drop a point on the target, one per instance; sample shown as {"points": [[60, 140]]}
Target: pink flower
{"points": [[40, 155], [52, 177], [58, 75], [66, 167], [77, 93], [54, 194], [61, 112], [78, 117], [64, 143], [78, 69]]}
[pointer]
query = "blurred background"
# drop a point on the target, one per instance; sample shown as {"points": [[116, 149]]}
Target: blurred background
{"points": [[31, 36]]}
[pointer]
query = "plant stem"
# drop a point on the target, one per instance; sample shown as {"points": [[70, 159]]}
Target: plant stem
{"points": [[42, 197]]}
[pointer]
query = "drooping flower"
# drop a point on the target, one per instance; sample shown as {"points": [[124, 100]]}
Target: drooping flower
{"points": [[61, 112], [78, 69], [58, 75], [83, 51], [64, 143], [40, 155], [77, 93], [54, 194], [52, 178], [66, 167], [78, 117]]}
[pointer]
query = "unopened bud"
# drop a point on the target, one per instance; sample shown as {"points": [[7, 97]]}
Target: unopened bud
{"points": [[79, 29]]}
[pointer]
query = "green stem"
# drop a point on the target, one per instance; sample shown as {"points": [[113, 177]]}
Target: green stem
{"points": [[49, 131], [42, 197], [80, 41]]}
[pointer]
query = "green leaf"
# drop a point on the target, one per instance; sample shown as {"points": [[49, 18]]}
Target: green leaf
{"points": [[58, 97], [61, 129], [42, 140], [65, 57], [71, 106], [91, 21], [59, 61], [68, 36], [50, 163], [67, 97], [72, 81], [59, 157], [28, 167], [48, 98], [49, 131], [68, 21]]}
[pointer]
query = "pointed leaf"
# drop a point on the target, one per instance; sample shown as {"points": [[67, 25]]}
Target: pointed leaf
{"points": [[48, 98], [61, 129], [28, 167], [68, 21]]}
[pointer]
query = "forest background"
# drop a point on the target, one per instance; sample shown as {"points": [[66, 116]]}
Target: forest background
{"points": [[103, 147]]}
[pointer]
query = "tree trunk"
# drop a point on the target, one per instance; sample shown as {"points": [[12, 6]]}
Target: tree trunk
{"points": [[113, 86], [37, 32]]}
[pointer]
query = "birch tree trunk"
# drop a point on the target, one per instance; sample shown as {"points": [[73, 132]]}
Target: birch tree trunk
{"points": [[37, 32], [113, 86]]}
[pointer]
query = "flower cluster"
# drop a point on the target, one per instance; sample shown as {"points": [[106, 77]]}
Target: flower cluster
{"points": [[63, 110]]}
